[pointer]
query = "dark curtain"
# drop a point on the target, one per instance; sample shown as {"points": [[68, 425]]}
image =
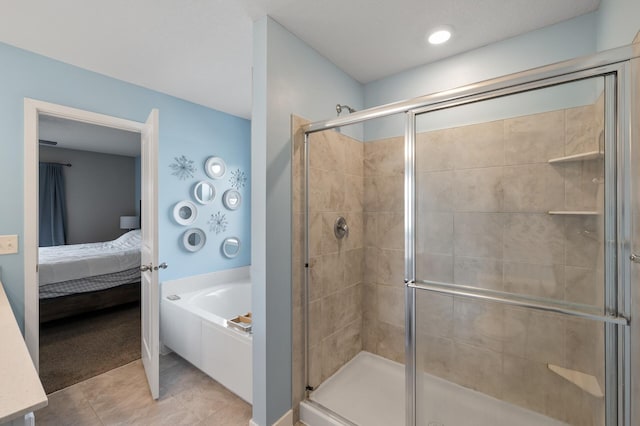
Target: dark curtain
{"points": [[52, 205]]}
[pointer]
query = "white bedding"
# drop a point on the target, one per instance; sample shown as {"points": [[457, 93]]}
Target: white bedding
{"points": [[71, 262]]}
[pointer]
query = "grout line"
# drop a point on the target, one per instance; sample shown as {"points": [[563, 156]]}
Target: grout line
{"points": [[93, 409]]}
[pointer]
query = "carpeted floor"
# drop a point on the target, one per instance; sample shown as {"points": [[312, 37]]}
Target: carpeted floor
{"points": [[75, 349]]}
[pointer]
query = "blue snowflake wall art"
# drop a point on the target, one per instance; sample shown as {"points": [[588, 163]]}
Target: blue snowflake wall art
{"points": [[218, 223], [238, 179], [183, 168]]}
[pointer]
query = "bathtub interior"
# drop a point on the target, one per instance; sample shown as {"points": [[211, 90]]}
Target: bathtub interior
{"points": [[193, 325], [226, 301]]}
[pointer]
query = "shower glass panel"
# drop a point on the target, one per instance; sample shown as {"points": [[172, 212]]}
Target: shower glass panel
{"points": [[510, 194], [336, 276], [355, 277], [510, 202], [481, 363]]}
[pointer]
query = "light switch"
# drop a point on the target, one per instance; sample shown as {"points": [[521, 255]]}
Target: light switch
{"points": [[8, 244]]}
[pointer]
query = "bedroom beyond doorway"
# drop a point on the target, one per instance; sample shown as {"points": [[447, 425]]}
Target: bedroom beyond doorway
{"points": [[75, 349], [89, 257]]}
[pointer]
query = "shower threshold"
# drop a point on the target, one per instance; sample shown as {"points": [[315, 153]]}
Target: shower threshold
{"points": [[369, 391]]}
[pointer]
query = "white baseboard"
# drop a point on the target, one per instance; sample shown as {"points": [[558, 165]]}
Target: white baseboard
{"points": [[164, 350], [286, 420]]}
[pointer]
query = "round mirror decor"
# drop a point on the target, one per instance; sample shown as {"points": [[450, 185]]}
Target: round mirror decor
{"points": [[215, 167], [204, 192], [185, 213], [193, 239], [231, 247], [231, 199]]}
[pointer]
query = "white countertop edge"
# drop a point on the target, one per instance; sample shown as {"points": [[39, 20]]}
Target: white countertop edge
{"points": [[18, 377]]}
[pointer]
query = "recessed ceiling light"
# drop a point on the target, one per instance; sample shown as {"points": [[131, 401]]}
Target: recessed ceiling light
{"points": [[439, 35]]}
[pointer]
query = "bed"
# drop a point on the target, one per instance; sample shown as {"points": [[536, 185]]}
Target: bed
{"points": [[79, 278]]}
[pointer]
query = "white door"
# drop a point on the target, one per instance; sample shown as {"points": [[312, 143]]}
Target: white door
{"points": [[149, 275]]}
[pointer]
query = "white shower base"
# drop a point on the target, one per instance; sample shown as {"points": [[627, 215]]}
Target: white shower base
{"points": [[369, 390]]}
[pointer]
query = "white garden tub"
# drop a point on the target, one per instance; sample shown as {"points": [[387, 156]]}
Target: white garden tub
{"points": [[195, 327]]}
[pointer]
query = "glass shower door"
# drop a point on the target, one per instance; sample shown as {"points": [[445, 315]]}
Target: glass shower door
{"points": [[512, 210]]}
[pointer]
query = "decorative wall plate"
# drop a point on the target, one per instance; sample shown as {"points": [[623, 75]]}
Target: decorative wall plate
{"points": [[194, 239], [204, 192], [215, 167], [183, 168], [185, 213], [231, 247], [231, 199]]}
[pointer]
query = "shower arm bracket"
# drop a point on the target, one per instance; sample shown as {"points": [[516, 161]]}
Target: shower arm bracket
{"points": [[339, 109]]}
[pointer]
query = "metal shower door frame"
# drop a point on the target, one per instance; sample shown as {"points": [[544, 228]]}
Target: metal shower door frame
{"points": [[617, 236], [614, 66]]}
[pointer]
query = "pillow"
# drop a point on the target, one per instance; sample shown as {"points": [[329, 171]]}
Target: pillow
{"points": [[131, 239]]}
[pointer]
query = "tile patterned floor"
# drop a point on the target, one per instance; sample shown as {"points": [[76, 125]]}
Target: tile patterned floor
{"points": [[121, 397]]}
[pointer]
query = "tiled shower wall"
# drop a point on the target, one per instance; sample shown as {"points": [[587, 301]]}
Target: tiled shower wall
{"points": [[335, 266], [383, 332], [484, 192]]}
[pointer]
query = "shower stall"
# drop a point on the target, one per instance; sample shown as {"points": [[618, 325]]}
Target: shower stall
{"points": [[467, 257]]}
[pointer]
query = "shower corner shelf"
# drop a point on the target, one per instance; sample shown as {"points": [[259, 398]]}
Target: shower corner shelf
{"points": [[574, 212], [592, 155]]}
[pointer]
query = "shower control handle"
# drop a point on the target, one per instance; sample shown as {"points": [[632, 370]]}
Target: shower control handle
{"points": [[634, 258], [145, 268], [340, 228]]}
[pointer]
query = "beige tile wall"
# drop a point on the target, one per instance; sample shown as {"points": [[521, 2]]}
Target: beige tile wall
{"points": [[383, 331], [336, 267], [484, 192], [483, 196]]}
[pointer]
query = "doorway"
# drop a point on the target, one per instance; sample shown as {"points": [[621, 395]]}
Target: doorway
{"points": [[148, 135], [89, 250]]}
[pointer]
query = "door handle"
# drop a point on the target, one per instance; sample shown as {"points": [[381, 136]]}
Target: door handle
{"points": [[145, 268], [163, 265]]}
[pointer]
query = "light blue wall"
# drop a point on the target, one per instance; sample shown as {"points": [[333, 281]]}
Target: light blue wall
{"points": [[289, 78], [185, 128], [618, 22], [208, 133], [259, 117], [525, 103], [555, 43]]}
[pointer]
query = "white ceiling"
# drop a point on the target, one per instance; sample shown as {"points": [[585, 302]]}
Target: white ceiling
{"points": [[201, 50], [88, 137], [372, 39]]}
